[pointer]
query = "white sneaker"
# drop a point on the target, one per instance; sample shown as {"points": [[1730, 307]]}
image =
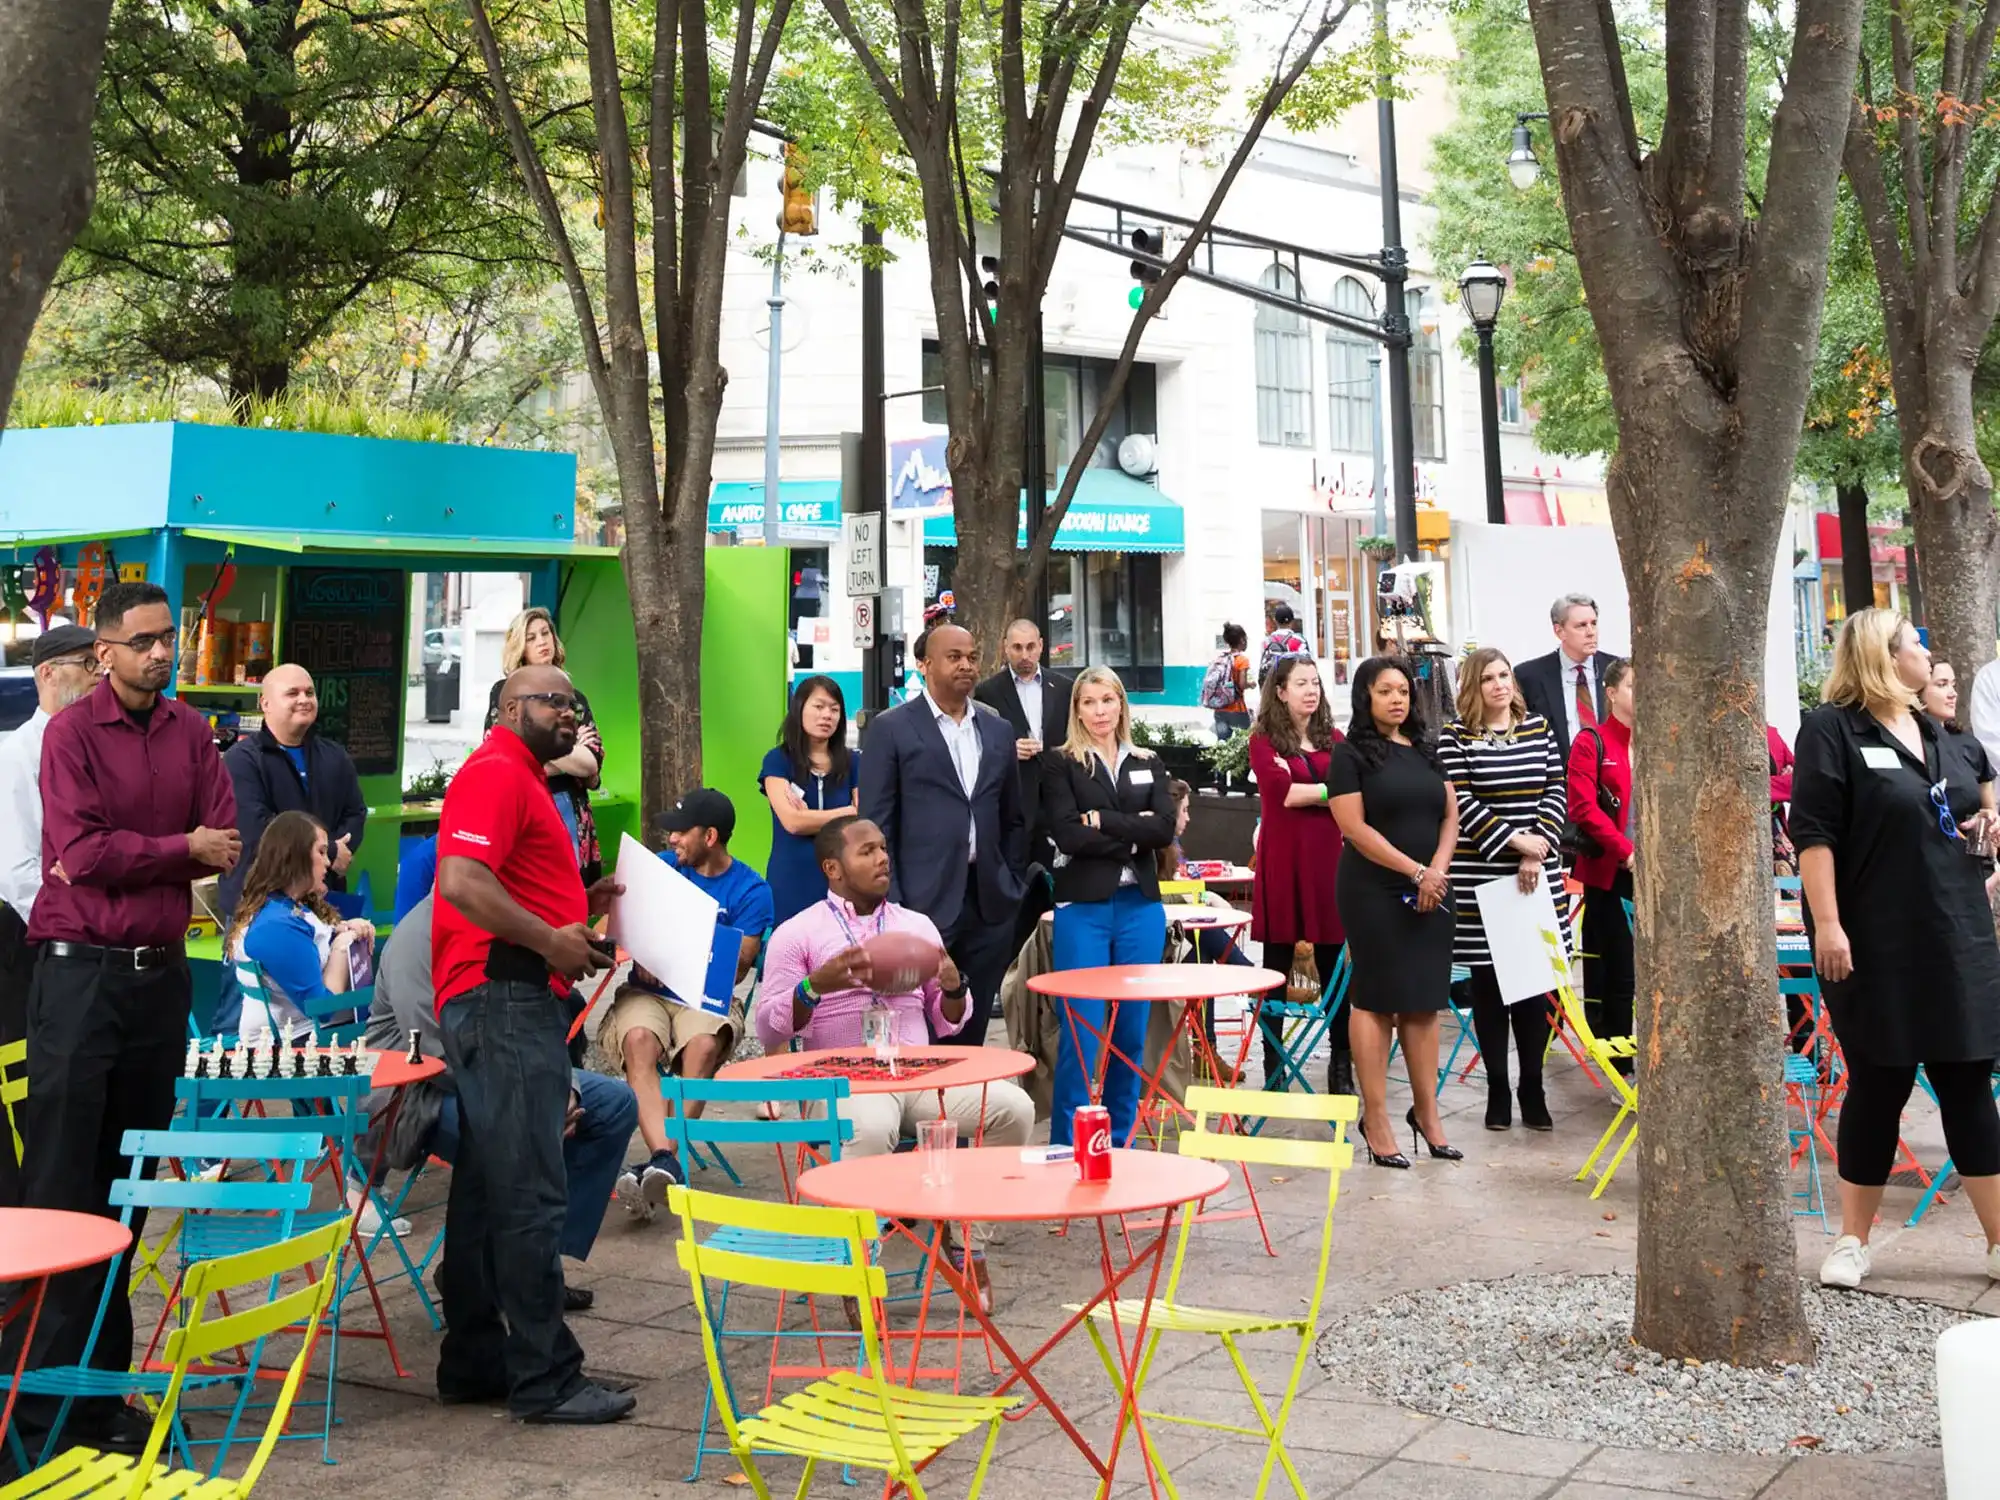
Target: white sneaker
{"points": [[1993, 1262], [1847, 1264], [631, 1194], [370, 1222]]}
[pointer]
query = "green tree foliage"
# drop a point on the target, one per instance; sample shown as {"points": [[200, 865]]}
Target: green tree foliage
{"points": [[264, 165]]}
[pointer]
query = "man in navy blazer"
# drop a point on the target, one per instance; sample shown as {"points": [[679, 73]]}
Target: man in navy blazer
{"points": [[1557, 686], [940, 777]]}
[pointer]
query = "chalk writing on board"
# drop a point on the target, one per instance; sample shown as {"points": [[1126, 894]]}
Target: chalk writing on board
{"points": [[347, 627]]}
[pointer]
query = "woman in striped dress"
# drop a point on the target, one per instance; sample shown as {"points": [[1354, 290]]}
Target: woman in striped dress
{"points": [[1512, 790]]}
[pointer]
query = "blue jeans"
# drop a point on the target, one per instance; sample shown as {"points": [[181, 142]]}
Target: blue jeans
{"points": [[502, 1277], [1127, 929], [593, 1156]]}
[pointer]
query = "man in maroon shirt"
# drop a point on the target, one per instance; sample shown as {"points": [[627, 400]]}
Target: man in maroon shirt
{"points": [[507, 941], [135, 806]]}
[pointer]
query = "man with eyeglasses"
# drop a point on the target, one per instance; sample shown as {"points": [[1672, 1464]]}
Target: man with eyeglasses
{"points": [[65, 668], [135, 807], [508, 941]]}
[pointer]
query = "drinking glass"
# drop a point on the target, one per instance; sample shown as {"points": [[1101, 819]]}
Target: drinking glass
{"points": [[936, 1140]]}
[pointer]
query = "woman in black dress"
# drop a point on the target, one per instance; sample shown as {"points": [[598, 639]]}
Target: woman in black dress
{"points": [[1883, 813], [1397, 812]]}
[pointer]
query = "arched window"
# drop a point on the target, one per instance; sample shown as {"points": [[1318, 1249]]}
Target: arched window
{"points": [[1350, 378], [1284, 367]]}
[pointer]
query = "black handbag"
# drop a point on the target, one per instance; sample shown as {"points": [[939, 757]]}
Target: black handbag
{"points": [[1576, 841]]}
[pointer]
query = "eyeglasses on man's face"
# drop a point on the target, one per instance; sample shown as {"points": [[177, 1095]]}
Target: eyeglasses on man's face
{"points": [[562, 703], [146, 643]]}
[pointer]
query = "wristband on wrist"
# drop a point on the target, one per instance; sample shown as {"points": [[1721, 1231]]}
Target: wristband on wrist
{"points": [[802, 994], [959, 993], [1325, 792]]}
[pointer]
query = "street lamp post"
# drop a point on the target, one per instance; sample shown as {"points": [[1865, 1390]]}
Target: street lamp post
{"points": [[1481, 290], [1524, 169]]}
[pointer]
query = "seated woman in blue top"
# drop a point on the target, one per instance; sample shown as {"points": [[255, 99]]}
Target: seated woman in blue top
{"points": [[810, 779], [284, 926]]}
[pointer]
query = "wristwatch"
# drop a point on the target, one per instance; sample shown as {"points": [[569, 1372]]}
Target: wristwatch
{"points": [[959, 993], [1417, 875]]}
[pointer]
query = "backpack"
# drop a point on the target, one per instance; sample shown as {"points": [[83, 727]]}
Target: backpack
{"points": [[1218, 684], [1281, 644]]}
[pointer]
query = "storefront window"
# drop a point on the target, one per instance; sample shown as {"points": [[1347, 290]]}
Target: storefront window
{"points": [[1283, 579], [1426, 374], [1104, 611], [1334, 569], [1350, 373], [1059, 633]]}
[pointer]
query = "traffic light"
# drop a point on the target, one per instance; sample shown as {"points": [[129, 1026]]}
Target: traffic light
{"points": [[989, 268], [1147, 239], [796, 217]]}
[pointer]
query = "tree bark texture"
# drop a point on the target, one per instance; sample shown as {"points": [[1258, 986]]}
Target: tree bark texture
{"points": [[1709, 321], [1937, 262], [50, 54], [1857, 562]]}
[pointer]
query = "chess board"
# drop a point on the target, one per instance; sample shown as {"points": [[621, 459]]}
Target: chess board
{"points": [[865, 1067]]}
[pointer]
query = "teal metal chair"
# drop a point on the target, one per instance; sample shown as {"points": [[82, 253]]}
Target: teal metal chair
{"points": [[1294, 1032], [816, 1132], [218, 1218]]}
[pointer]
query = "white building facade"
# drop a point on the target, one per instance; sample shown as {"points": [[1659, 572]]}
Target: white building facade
{"points": [[1262, 422]]}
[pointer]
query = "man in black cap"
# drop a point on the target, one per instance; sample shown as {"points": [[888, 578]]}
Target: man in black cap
{"points": [[648, 1029], [65, 666]]}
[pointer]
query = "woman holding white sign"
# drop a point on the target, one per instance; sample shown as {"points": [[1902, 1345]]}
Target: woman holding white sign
{"points": [[1507, 769]]}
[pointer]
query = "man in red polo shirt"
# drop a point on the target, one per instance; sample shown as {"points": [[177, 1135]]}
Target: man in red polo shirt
{"points": [[507, 941]]}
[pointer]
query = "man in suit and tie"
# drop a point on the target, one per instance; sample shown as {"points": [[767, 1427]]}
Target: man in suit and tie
{"points": [[940, 778], [1566, 687], [1036, 703]]}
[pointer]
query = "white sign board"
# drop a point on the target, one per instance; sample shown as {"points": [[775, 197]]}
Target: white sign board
{"points": [[664, 920], [864, 623], [863, 536]]}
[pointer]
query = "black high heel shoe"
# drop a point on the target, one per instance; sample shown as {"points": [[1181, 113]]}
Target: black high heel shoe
{"points": [[1438, 1153], [1395, 1159]]}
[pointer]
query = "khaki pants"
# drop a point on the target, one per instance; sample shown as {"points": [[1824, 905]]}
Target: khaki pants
{"points": [[882, 1120]]}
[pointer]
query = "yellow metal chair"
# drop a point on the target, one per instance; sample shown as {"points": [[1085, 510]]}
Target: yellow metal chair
{"points": [[1605, 1052], [1183, 890], [857, 1418], [86, 1474], [14, 1088], [1170, 1315]]}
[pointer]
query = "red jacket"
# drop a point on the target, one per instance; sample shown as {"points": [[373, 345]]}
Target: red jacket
{"points": [[1598, 870], [1781, 765]]}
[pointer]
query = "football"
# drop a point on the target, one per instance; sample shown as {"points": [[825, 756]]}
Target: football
{"points": [[902, 961]]}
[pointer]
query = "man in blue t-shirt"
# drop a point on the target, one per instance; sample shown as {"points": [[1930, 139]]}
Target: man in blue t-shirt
{"points": [[646, 1032]]}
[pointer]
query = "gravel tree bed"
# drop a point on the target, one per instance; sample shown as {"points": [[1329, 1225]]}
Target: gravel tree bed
{"points": [[1553, 1356]]}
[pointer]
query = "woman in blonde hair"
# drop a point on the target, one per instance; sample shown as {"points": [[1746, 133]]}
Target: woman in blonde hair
{"points": [[1507, 768], [1110, 808], [532, 642], [1901, 932]]}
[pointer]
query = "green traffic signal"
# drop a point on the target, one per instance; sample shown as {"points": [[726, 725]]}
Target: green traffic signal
{"points": [[1135, 297]]}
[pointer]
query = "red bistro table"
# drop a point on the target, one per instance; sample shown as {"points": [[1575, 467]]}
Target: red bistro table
{"points": [[35, 1244], [992, 1184]]}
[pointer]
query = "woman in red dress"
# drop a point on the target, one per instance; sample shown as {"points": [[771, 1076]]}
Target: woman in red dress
{"points": [[1298, 843]]}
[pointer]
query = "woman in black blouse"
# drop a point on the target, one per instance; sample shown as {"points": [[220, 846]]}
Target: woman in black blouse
{"points": [[1397, 812], [1882, 814]]}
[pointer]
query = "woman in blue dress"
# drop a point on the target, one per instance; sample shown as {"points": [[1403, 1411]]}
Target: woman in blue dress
{"points": [[809, 779]]}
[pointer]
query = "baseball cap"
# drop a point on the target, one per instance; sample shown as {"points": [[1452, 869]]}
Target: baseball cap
{"points": [[63, 640], [704, 807]]}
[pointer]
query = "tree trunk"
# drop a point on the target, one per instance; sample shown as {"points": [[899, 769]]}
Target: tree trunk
{"points": [[986, 584], [1717, 1254], [50, 54], [1951, 511], [1857, 562]]}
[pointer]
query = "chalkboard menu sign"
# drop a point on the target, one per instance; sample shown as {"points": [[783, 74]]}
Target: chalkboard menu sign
{"points": [[346, 626]]}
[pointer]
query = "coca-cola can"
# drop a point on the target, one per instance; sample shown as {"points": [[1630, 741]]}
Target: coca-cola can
{"points": [[1092, 1135]]}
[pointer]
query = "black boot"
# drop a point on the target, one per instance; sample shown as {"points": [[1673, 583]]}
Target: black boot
{"points": [[1499, 1108], [1534, 1108], [1340, 1072]]}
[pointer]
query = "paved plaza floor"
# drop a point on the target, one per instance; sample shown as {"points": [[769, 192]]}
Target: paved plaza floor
{"points": [[1510, 1208]]}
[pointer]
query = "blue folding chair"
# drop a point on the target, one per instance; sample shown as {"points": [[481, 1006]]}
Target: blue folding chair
{"points": [[218, 1218], [817, 1132], [1944, 1169], [1294, 1032]]}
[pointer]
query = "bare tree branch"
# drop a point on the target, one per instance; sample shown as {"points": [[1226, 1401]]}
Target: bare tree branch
{"points": [[1910, 153]]}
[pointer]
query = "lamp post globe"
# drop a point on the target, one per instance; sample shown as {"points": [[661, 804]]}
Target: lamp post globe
{"points": [[1524, 170], [1481, 290]]}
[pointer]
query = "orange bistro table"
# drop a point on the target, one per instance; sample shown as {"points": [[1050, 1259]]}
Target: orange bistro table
{"points": [[992, 1184], [36, 1244]]}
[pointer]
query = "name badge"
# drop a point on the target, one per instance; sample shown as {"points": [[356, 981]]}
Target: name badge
{"points": [[1142, 778], [1879, 758]]}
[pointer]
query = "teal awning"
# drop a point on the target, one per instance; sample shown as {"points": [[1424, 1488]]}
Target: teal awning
{"points": [[808, 509], [1110, 513], [303, 542]]}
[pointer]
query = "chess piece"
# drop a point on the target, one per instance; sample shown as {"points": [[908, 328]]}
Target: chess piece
{"points": [[193, 1059], [298, 1060], [322, 1063], [355, 1067], [222, 1062], [416, 1045]]}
